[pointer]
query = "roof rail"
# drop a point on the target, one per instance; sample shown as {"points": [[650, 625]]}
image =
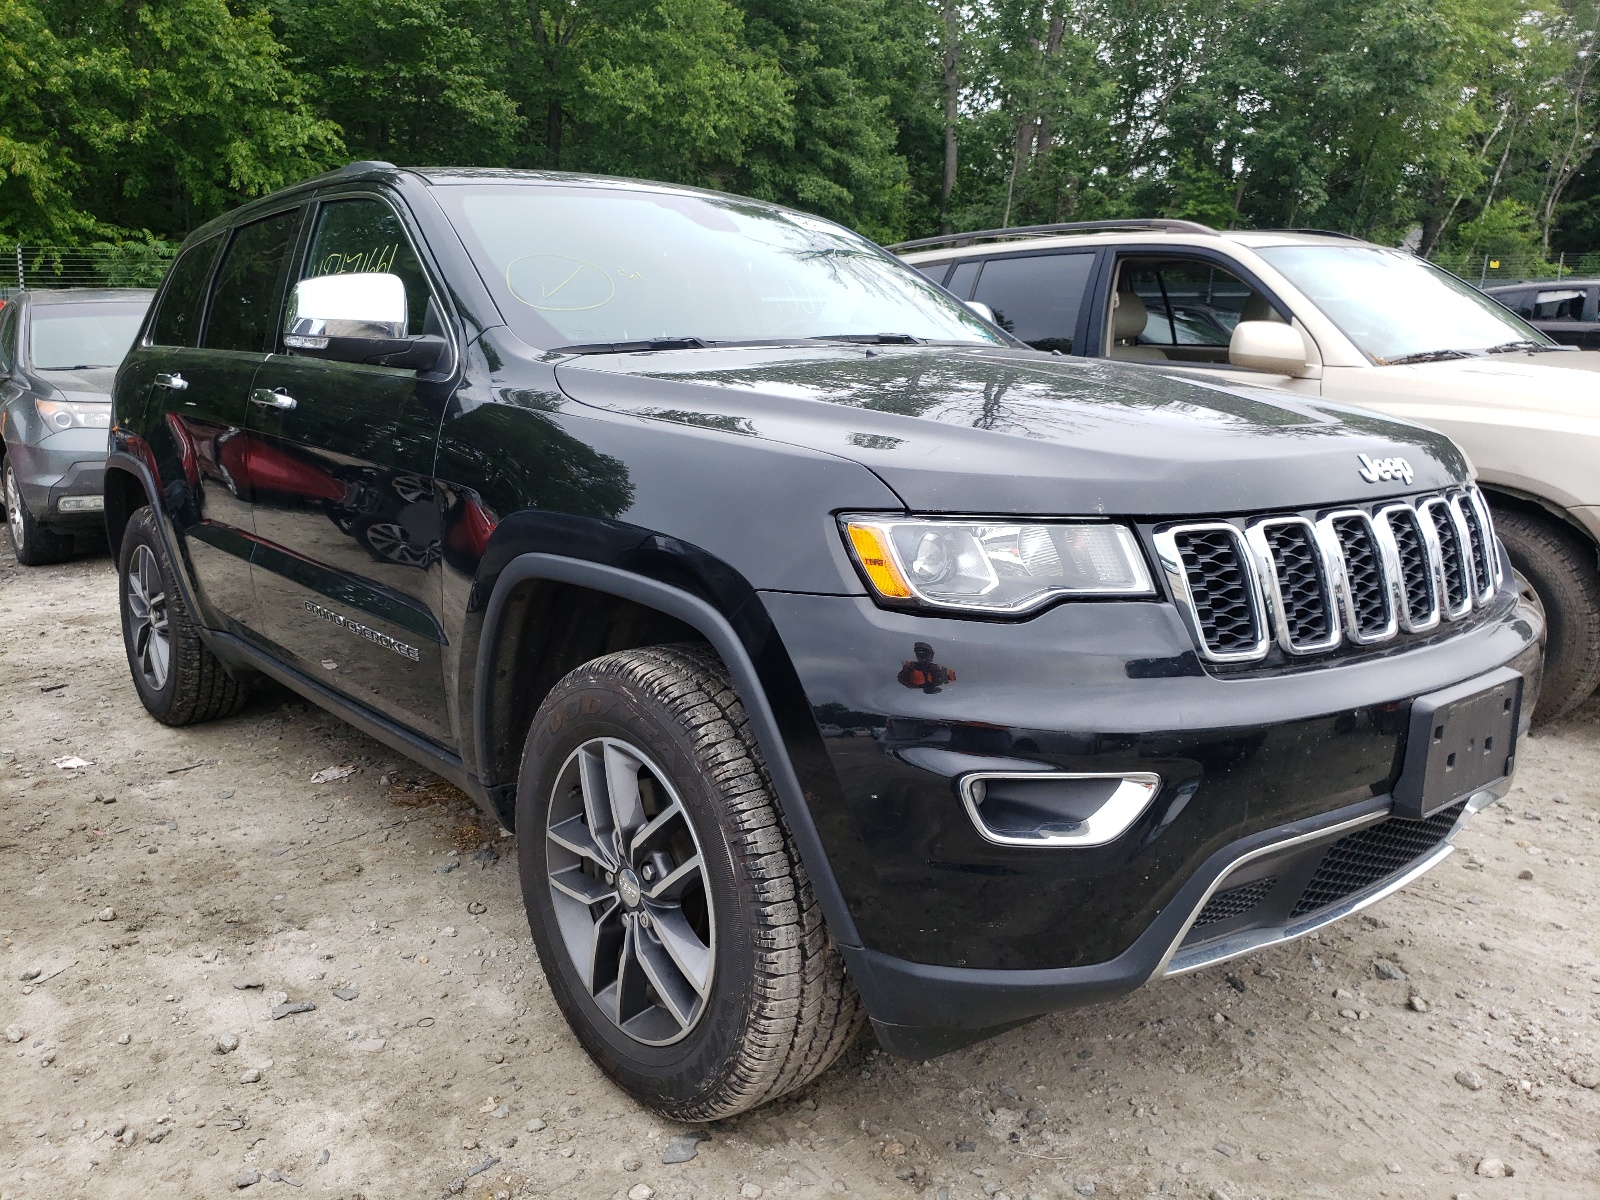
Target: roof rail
{"points": [[1349, 237], [1165, 224], [368, 164]]}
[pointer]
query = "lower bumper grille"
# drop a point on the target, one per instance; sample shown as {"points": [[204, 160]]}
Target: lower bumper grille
{"points": [[1361, 859], [1234, 902]]}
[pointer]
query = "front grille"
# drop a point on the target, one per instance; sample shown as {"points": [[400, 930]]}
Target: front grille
{"points": [[1416, 577], [1359, 860], [1302, 589], [1220, 590], [1245, 582], [1234, 902], [1364, 576]]}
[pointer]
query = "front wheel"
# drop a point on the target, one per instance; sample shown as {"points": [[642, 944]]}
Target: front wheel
{"points": [[672, 915], [31, 542], [1561, 568]]}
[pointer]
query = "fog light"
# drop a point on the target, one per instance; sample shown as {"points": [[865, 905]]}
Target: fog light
{"points": [[81, 504], [1049, 808]]}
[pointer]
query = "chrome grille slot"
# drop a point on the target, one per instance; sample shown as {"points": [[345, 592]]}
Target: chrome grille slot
{"points": [[1221, 590], [1457, 599], [1480, 571], [1369, 615], [1418, 591], [1298, 589]]}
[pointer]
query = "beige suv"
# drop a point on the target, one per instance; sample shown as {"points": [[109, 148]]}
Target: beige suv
{"points": [[1325, 315]]}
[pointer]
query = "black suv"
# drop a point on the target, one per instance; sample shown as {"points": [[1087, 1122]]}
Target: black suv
{"points": [[833, 655]]}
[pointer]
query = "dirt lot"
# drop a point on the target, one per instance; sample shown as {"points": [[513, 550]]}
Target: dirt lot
{"points": [[140, 891]]}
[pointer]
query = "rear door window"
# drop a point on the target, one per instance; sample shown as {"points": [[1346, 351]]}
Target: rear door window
{"points": [[177, 320], [245, 302], [1558, 304], [1037, 298]]}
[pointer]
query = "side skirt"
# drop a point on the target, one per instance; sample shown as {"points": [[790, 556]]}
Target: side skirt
{"points": [[236, 653]]}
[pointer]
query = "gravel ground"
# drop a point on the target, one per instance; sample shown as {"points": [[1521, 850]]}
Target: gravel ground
{"points": [[224, 967]]}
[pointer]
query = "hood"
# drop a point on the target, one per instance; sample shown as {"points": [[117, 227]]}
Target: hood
{"points": [[1003, 431], [91, 385], [1557, 384]]}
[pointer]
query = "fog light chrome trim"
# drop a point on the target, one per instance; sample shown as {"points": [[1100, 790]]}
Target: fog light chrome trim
{"points": [[81, 504], [1107, 823]]}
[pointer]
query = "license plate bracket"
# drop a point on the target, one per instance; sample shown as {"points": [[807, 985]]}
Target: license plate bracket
{"points": [[1461, 739]]}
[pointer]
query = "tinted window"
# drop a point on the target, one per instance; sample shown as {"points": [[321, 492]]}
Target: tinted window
{"points": [[963, 277], [244, 305], [366, 235], [177, 321], [65, 337], [934, 271], [1037, 299]]}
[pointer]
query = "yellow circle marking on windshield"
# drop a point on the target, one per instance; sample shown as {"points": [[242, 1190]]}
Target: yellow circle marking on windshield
{"points": [[559, 283]]}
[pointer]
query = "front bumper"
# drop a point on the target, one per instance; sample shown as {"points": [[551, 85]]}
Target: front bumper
{"points": [[67, 466], [1261, 775]]}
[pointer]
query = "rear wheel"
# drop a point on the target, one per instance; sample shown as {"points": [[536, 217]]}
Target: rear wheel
{"points": [[179, 680], [672, 915], [31, 542], [1561, 568]]}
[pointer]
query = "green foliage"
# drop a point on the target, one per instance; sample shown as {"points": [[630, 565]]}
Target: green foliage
{"points": [[1475, 120]]}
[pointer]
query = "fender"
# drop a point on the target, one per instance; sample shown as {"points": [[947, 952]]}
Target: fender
{"points": [[717, 630], [141, 467]]}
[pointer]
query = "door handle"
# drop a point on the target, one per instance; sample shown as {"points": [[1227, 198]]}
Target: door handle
{"points": [[174, 381], [276, 398]]}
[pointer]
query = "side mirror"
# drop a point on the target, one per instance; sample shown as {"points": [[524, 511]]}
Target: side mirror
{"points": [[357, 318], [1268, 346], [982, 309]]}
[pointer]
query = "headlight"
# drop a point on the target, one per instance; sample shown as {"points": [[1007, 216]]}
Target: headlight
{"points": [[994, 566], [58, 415]]}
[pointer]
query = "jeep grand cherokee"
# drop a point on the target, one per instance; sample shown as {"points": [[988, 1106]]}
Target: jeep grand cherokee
{"points": [[833, 656]]}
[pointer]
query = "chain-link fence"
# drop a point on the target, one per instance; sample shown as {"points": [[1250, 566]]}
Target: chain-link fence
{"points": [[131, 264], [1486, 270]]}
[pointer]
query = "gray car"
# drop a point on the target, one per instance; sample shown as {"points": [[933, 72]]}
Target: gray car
{"points": [[59, 352]]}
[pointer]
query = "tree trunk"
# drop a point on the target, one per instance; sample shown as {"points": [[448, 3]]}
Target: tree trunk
{"points": [[952, 94]]}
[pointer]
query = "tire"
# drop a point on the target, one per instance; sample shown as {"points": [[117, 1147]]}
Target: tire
{"points": [[1561, 567], [31, 542], [772, 1008], [179, 680]]}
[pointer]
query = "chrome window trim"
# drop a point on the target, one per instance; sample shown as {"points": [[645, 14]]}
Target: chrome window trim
{"points": [[1436, 548], [1383, 522], [1334, 549], [1109, 822], [1171, 563], [1267, 568]]}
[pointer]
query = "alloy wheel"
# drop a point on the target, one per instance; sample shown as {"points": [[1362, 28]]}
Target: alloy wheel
{"points": [[13, 507], [628, 885], [147, 615]]}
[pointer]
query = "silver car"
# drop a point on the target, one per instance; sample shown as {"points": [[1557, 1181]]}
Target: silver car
{"points": [[59, 352]]}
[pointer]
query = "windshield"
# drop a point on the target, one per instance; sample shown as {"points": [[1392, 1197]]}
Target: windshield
{"points": [[1395, 306], [574, 266], [64, 337]]}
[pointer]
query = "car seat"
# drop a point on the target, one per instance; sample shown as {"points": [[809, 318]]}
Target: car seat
{"points": [[1128, 318]]}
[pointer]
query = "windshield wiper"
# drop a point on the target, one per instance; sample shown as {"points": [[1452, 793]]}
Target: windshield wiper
{"points": [[1426, 356], [1523, 344], [664, 343], [868, 339]]}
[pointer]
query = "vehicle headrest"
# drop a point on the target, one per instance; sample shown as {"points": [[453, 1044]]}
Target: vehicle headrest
{"points": [[1259, 308], [1130, 317]]}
